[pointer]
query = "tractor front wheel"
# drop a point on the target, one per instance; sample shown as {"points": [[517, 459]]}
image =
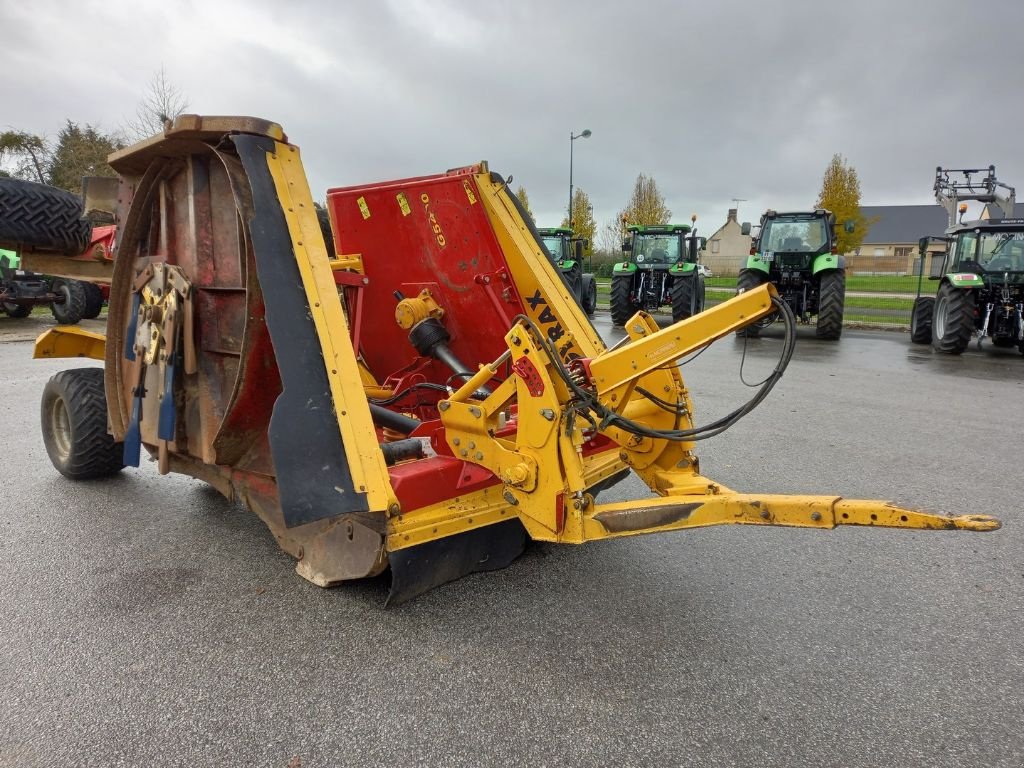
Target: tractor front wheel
{"points": [[921, 319], [748, 281], [589, 302], [622, 305], [74, 420], [953, 321], [17, 310], [687, 296], [831, 300]]}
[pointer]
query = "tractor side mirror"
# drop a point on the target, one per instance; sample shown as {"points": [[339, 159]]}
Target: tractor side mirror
{"points": [[849, 226], [627, 245], [578, 249], [745, 228]]}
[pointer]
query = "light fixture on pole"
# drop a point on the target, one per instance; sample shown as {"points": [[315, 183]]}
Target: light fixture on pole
{"points": [[584, 134]]}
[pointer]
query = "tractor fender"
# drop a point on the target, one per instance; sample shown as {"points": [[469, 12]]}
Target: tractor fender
{"points": [[567, 265], [624, 268], [964, 280], [827, 261], [755, 262], [685, 268]]}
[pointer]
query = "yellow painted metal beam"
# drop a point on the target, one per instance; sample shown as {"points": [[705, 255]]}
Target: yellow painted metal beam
{"points": [[70, 341]]}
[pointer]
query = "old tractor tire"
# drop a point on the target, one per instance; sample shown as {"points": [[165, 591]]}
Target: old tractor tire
{"points": [[831, 301], [747, 281], [589, 302], [953, 320], [93, 301], [41, 216], [921, 319], [17, 310], [74, 420], [687, 296], [622, 306], [72, 309]]}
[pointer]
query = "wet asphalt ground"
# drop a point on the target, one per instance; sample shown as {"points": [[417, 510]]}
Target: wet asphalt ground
{"points": [[146, 621]]}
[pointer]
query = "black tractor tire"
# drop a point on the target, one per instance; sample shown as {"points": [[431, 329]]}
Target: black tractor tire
{"points": [[953, 320], [72, 309], [41, 216], [93, 301], [589, 302], [17, 310], [574, 279], [74, 421], [622, 306], [831, 301], [921, 319], [687, 296], [747, 281]]}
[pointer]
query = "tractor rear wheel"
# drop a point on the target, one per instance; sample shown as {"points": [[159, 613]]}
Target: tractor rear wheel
{"points": [[574, 278], [41, 216], [72, 308], [622, 305], [687, 296], [831, 300], [93, 301], [589, 302], [921, 319], [953, 321], [747, 281], [74, 419]]}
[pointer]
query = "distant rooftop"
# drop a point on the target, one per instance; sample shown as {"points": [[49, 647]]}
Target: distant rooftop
{"points": [[903, 223]]}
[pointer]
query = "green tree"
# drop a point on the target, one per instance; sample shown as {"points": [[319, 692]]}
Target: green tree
{"points": [[840, 193], [646, 205], [521, 194], [27, 154], [80, 151], [583, 224]]}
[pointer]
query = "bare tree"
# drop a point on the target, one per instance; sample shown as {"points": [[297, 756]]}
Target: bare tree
{"points": [[163, 101], [29, 153]]}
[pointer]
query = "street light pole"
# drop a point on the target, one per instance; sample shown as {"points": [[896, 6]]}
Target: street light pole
{"points": [[584, 134]]}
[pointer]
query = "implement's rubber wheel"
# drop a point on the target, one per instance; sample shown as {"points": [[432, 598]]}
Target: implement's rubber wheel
{"points": [[921, 319], [687, 296], [93, 301], [953, 321], [17, 310], [831, 298], [748, 280], [622, 306], [41, 216], [72, 309], [589, 302], [74, 420]]}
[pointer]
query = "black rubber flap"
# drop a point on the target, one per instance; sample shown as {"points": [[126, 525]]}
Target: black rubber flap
{"points": [[313, 477], [421, 568]]}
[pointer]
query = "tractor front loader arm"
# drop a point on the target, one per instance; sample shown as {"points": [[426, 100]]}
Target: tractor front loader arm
{"points": [[537, 433]]}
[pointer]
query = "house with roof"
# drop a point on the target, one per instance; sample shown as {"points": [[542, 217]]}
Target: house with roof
{"points": [[726, 250], [891, 243]]}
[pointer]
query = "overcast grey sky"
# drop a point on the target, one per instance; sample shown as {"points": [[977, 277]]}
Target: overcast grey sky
{"points": [[715, 100]]}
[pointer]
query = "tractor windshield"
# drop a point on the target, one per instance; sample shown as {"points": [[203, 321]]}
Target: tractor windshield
{"points": [[656, 249], [794, 235], [555, 247], [1001, 251]]}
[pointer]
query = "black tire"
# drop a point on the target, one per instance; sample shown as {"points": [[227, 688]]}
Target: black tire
{"points": [[589, 302], [325, 229], [93, 301], [72, 309], [687, 296], [831, 300], [921, 319], [74, 420], [748, 280], [574, 279], [953, 320], [622, 306], [41, 216], [17, 310]]}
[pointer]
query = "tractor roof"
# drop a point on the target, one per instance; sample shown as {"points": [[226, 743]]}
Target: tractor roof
{"points": [[555, 231], [659, 229], [990, 224], [816, 213]]}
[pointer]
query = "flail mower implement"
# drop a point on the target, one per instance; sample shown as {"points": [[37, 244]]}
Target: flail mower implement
{"points": [[427, 398]]}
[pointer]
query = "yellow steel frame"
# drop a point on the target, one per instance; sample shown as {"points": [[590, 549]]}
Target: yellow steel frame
{"points": [[69, 341]]}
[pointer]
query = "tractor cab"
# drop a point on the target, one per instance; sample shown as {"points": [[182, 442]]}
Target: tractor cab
{"points": [[794, 240], [994, 250], [566, 252], [560, 245], [660, 246]]}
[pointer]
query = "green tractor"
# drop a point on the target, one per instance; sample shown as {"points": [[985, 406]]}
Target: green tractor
{"points": [[661, 269], [981, 280], [566, 252], [796, 252]]}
